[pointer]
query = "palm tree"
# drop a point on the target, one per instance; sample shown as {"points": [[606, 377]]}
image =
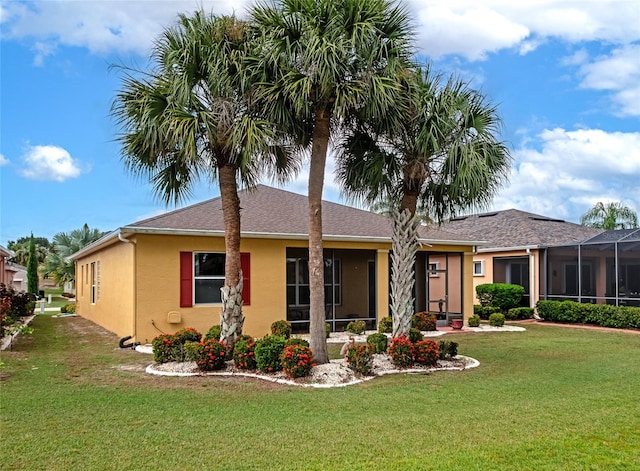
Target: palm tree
{"points": [[57, 264], [610, 216], [443, 157], [190, 118], [321, 62]]}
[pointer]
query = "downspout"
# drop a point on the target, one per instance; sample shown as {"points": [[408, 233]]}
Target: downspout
{"points": [[532, 278], [121, 238]]}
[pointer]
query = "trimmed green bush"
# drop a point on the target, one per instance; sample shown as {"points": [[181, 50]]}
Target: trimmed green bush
{"points": [[424, 321], [213, 333], [68, 308], [356, 327], [496, 319], [516, 313], [447, 349], [501, 295], [385, 326], [605, 315], [281, 328], [297, 341], [327, 328], [190, 350], [474, 321], [379, 342], [297, 361], [415, 335], [484, 311], [166, 348], [188, 334], [267, 352], [360, 358], [244, 356]]}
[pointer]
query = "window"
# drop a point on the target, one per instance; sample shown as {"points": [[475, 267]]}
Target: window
{"points": [[202, 277], [298, 282], [478, 268], [98, 280], [93, 282], [433, 268]]}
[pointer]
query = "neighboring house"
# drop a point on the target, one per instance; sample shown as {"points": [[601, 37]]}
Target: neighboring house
{"points": [[517, 242], [6, 273], [165, 273], [19, 281]]}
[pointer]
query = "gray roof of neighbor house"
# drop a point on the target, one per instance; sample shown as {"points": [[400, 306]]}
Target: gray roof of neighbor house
{"points": [[268, 212], [513, 228]]}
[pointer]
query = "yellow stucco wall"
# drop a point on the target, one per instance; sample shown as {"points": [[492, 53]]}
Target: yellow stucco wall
{"points": [[140, 283], [114, 301]]}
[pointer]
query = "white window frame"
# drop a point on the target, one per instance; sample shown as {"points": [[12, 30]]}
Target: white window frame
{"points": [[93, 282], [478, 263], [204, 277], [433, 269]]}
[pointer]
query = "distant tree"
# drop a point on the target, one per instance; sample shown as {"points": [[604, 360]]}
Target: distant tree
{"points": [[20, 248], [610, 216], [32, 268], [57, 264]]}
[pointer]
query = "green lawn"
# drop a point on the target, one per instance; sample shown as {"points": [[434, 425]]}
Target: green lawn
{"points": [[549, 398]]}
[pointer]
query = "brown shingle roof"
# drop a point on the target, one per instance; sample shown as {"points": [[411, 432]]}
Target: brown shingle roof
{"points": [[514, 228], [267, 210]]}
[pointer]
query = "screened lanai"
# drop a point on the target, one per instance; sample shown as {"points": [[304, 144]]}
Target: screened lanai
{"points": [[604, 270]]}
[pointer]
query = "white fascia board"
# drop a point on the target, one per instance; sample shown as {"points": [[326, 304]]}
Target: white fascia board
{"points": [[508, 249]]}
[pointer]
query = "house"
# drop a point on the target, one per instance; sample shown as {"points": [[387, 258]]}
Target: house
{"points": [[6, 272], [19, 278], [164, 273], [517, 247]]}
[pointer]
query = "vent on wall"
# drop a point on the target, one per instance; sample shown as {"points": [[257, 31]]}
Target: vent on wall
{"points": [[174, 317]]}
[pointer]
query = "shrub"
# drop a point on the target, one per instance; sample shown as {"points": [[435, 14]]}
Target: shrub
{"points": [[379, 342], [20, 304], [501, 295], [360, 358], [485, 311], [244, 356], [447, 349], [190, 350], [68, 308], [267, 352], [400, 351], [213, 333], [297, 341], [327, 328], [496, 319], [415, 335], [385, 326], [516, 313], [474, 321], [425, 352], [424, 321], [281, 328], [68, 295], [166, 348], [297, 361], [622, 317], [188, 334], [356, 327], [210, 355]]}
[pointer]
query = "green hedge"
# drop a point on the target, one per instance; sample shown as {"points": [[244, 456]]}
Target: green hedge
{"points": [[502, 295], [517, 313], [605, 315], [483, 312]]}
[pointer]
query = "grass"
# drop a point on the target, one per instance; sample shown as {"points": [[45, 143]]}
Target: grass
{"points": [[549, 398]]}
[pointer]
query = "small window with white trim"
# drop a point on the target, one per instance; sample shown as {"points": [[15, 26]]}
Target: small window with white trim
{"points": [[433, 269], [478, 268]]}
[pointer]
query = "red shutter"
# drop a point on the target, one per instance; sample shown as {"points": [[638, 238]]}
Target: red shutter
{"points": [[245, 264], [186, 279]]}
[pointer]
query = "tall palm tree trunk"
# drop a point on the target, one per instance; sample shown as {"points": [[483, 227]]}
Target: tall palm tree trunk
{"points": [[404, 243], [318, 337], [231, 318]]}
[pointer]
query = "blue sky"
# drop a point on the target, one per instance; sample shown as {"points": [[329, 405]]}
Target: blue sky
{"points": [[565, 76]]}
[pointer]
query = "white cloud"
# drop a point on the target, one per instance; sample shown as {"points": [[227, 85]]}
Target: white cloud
{"points": [[619, 73], [3, 160], [474, 29], [572, 170], [51, 163]]}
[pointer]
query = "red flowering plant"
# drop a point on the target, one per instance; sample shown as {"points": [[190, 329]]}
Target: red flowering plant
{"points": [[244, 356], [360, 358], [166, 348], [210, 355], [297, 360], [400, 351], [425, 352], [188, 334]]}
